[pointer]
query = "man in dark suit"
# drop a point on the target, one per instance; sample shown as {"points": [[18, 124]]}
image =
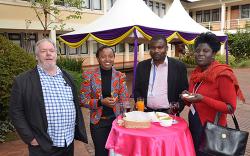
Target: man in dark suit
{"points": [[161, 79], [44, 106]]}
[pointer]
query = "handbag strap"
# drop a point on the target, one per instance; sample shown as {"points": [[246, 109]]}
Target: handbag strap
{"points": [[230, 109]]}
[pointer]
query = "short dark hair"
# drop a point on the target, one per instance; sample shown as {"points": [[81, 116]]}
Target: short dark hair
{"points": [[209, 38], [101, 48], [158, 37]]}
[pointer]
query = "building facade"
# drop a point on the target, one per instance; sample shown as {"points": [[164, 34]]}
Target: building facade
{"points": [[18, 22], [221, 15]]}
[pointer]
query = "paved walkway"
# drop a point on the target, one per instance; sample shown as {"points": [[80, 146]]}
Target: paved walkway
{"points": [[18, 148]]}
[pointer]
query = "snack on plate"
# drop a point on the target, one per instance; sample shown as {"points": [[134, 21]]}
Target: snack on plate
{"points": [[164, 119], [188, 95], [136, 119], [161, 114], [167, 122]]}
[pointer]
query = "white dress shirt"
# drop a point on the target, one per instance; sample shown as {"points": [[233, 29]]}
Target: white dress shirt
{"points": [[158, 86]]}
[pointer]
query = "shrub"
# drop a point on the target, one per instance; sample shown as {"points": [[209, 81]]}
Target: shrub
{"points": [[5, 127], [222, 59], [77, 76], [13, 61], [188, 58], [70, 64], [239, 45]]}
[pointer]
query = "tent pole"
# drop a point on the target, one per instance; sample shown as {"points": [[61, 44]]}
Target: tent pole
{"points": [[227, 51], [135, 59], [123, 58]]}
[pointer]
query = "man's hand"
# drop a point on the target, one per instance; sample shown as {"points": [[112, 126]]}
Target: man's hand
{"points": [[34, 142], [108, 101]]}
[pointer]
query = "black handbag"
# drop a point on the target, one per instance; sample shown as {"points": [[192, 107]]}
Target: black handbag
{"points": [[223, 141]]}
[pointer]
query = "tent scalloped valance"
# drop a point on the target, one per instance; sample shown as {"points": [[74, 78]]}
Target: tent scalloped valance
{"points": [[74, 41]]}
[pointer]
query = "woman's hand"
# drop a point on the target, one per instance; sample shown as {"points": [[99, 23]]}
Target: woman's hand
{"points": [[194, 98], [108, 101], [191, 97]]}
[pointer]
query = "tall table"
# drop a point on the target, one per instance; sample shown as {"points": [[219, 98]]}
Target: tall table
{"points": [[175, 140]]}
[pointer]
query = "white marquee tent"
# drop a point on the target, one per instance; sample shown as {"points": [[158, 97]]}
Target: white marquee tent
{"points": [[177, 19]]}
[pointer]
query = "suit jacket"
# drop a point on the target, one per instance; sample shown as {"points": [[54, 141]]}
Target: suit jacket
{"points": [[177, 80], [91, 92], [27, 109]]}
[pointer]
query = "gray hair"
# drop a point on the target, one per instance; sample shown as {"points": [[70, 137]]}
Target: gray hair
{"points": [[44, 40]]}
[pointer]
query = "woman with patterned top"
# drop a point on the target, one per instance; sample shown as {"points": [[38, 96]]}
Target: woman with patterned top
{"points": [[102, 91]]}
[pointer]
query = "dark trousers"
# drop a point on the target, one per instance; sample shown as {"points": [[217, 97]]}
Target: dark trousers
{"points": [[196, 130], [55, 151], [99, 134]]}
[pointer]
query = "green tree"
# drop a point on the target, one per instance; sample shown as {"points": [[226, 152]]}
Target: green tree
{"points": [[239, 45], [50, 16], [13, 61]]}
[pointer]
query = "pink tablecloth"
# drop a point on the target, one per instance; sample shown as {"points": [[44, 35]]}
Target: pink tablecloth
{"points": [[175, 140]]}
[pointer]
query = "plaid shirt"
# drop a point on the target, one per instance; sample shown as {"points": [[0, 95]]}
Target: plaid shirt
{"points": [[59, 106]]}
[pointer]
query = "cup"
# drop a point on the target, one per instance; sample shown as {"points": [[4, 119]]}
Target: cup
{"points": [[126, 104], [174, 107], [140, 104]]}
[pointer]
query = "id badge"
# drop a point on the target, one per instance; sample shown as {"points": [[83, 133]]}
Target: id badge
{"points": [[192, 109]]}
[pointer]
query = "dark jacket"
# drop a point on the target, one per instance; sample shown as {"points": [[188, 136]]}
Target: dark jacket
{"points": [[177, 80], [27, 109]]}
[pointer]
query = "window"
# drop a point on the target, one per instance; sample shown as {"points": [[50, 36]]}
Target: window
{"points": [[86, 4], [206, 16], [120, 48], [131, 48], [199, 16], [71, 51], [25, 40], [16, 38], [83, 49], [114, 48], [150, 4], [29, 42], [163, 9], [61, 48], [216, 15], [157, 8], [96, 45], [146, 47], [96, 4], [245, 11]]}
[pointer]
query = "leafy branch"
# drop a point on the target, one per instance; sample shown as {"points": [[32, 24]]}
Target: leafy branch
{"points": [[48, 14]]}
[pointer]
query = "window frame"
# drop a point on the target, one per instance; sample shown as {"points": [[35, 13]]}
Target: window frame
{"points": [[206, 16], [247, 10], [216, 15], [93, 7], [198, 14]]}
